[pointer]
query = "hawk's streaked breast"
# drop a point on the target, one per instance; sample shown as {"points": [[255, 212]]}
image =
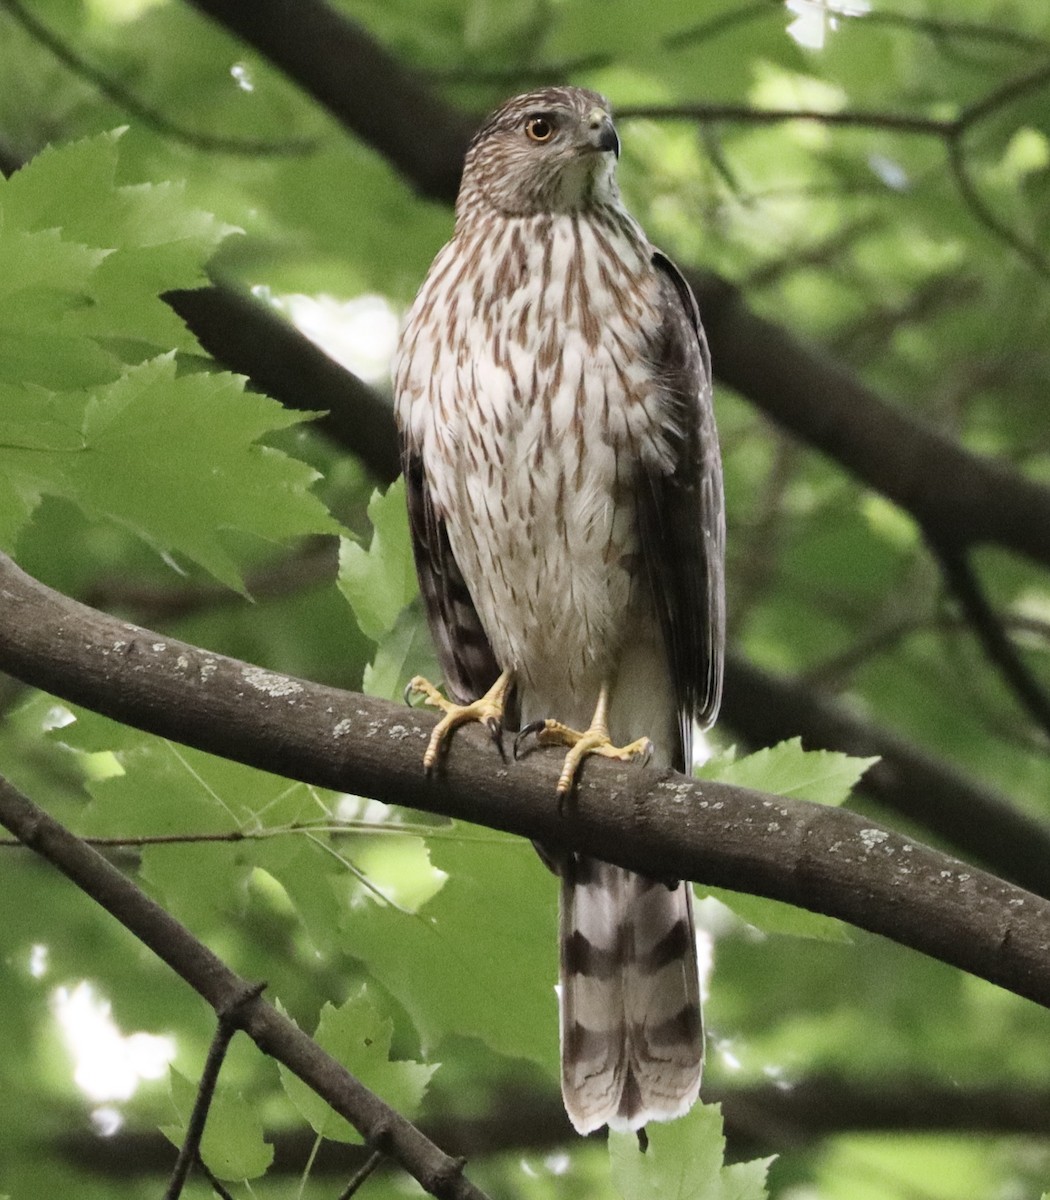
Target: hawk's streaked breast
{"points": [[530, 395]]}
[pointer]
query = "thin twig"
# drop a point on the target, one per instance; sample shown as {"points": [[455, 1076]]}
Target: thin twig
{"points": [[119, 95], [1002, 96], [945, 31], [216, 1184], [984, 621], [821, 253], [359, 1177], [984, 214], [745, 114], [704, 31], [228, 1024], [941, 30]]}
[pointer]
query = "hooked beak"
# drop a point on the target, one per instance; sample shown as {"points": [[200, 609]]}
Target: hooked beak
{"points": [[601, 132]]}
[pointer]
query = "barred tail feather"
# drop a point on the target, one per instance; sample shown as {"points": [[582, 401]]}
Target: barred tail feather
{"points": [[632, 1041]]}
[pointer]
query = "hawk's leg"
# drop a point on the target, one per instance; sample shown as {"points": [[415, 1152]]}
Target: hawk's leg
{"points": [[488, 710], [594, 740]]}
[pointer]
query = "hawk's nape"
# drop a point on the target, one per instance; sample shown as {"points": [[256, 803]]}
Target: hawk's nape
{"points": [[565, 496]]}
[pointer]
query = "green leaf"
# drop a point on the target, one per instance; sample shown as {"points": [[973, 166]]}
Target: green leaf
{"points": [[380, 581], [820, 776], [44, 280], [774, 916], [357, 1035], [684, 1161], [148, 238], [175, 459], [233, 1146], [403, 651], [481, 958]]}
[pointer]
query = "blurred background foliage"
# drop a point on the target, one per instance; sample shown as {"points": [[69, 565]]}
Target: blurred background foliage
{"points": [[209, 513]]}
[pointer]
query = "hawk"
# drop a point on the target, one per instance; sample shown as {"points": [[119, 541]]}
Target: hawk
{"points": [[553, 398]]}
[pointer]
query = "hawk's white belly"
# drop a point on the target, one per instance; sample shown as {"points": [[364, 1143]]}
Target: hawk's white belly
{"points": [[533, 413]]}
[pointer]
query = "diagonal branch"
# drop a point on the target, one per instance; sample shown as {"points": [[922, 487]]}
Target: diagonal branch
{"points": [[996, 643], [248, 336], [234, 999], [359, 81], [655, 822], [761, 707]]}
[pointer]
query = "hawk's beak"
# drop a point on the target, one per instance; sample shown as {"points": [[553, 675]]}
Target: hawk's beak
{"points": [[601, 132]]}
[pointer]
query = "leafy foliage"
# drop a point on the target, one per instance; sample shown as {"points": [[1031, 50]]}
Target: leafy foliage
{"points": [[357, 1035], [135, 473], [684, 1162], [819, 776]]}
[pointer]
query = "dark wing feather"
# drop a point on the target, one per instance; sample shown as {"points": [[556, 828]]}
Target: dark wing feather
{"points": [[682, 513], [463, 649]]}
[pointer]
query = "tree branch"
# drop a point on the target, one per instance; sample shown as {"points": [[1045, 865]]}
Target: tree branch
{"points": [[944, 487], [655, 822], [236, 1002], [745, 114], [360, 83], [990, 632], [147, 114], [248, 336], [975, 820]]}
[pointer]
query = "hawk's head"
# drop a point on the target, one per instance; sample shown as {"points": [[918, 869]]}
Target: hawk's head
{"points": [[552, 150]]}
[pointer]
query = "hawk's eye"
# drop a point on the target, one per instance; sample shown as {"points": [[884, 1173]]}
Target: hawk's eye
{"points": [[539, 129]]}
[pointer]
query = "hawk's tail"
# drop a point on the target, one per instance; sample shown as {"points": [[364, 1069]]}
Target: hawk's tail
{"points": [[632, 1039]]}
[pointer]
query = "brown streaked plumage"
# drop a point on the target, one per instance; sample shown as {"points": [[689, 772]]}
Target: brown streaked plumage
{"points": [[565, 497]]}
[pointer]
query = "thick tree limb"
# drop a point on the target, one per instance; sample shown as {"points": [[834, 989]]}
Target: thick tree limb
{"points": [[655, 822], [951, 492], [977, 821], [234, 999], [954, 494]]}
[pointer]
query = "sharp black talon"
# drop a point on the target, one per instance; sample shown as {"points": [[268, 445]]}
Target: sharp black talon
{"points": [[495, 729], [407, 694], [526, 731]]}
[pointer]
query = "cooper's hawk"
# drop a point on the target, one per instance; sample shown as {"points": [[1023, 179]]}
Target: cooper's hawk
{"points": [[565, 493]]}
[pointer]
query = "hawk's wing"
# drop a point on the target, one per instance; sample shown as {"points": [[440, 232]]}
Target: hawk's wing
{"points": [[463, 649], [682, 515]]}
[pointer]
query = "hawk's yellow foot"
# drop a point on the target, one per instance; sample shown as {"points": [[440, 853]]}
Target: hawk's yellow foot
{"points": [[487, 710], [594, 740]]}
